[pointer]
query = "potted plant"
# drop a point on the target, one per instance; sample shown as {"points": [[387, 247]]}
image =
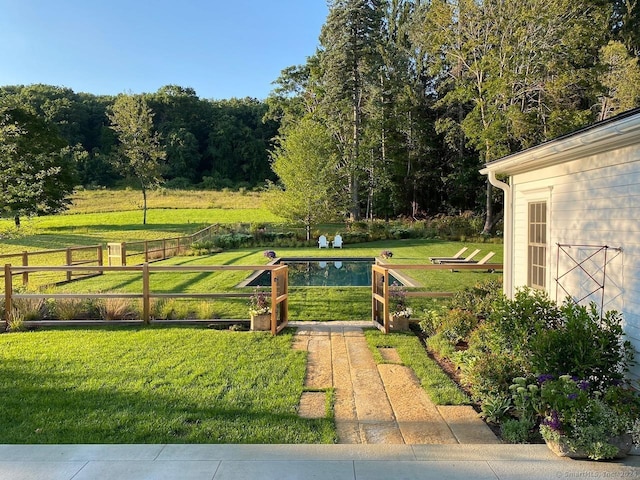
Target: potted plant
{"points": [[386, 254], [399, 312], [581, 422], [270, 254], [260, 311]]}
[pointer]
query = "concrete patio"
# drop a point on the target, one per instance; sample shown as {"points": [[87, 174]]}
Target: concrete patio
{"points": [[282, 462]]}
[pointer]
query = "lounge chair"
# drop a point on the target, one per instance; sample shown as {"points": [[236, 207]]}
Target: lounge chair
{"points": [[482, 261], [457, 260], [323, 242], [457, 255], [337, 241]]}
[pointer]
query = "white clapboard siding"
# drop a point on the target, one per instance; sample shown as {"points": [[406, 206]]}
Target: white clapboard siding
{"points": [[592, 201]]}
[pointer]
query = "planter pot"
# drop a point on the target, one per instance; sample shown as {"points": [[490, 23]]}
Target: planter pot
{"points": [[560, 448], [261, 322], [398, 323]]}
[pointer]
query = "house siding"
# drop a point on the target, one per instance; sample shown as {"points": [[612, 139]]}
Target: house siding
{"points": [[591, 201]]}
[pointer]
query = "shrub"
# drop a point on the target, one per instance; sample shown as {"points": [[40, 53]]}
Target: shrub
{"points": [[232, 240], [490, 375], [429, 322], [516, 321], [583, 345], [518, 431], [479, 299], [457, 325]]}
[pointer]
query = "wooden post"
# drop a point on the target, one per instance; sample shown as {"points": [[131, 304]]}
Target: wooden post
{"points": [[146, 251], [25, 263], [99, 257], [8, 292], [385, 289], [69, 260], [164, 249], [146, 304]]}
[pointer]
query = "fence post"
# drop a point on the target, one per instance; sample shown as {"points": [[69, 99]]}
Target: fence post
{"points": [[25, 263], [69, 261], [146, 251], [146, 310], [100, 258], [164, 248], [8, 292]]}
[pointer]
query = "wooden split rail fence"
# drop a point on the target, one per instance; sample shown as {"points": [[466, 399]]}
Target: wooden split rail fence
{"points": [[68, 257], [279, 286], [380, 288]]}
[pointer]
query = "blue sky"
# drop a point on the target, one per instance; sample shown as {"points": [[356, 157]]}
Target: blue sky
{"points": [[221, 48]]}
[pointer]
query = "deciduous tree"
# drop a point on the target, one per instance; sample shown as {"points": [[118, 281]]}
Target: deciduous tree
{"points": [[37, 171], [140, 154]]}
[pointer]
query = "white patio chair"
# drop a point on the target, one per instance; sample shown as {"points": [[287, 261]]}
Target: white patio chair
{"points": [[337, 241], [323, 242]]}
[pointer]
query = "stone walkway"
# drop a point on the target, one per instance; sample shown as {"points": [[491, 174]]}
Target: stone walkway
{"points": [[382, 404]]}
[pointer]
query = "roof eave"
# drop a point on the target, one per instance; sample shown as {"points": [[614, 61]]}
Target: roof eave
{"points": [[600, 138]]}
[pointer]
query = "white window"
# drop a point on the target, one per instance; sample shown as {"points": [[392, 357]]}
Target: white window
{"points": [[537, 261]]}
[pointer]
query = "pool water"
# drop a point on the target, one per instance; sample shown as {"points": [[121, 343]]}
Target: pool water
{"points": [[323, 273]]}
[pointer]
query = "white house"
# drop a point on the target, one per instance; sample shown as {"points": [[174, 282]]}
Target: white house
{"points": [[572, 218]]}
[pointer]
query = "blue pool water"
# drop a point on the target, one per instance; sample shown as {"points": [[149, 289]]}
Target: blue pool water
{"points": [[315, 272]]}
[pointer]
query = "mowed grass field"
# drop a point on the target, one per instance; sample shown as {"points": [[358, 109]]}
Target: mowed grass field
{"points": [[101, 216]]}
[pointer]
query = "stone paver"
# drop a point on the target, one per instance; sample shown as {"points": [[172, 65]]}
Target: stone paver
{"points": [[418, 418], [376, 404], [466, 425], [312, 405]]}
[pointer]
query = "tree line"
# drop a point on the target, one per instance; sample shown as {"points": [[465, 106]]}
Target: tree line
{"points": [[404, 100], [53, 139]]}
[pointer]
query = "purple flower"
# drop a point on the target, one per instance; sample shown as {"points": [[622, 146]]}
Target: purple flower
{"points": [[572, 396], [545, 378], [583, 385], [553, 421]]}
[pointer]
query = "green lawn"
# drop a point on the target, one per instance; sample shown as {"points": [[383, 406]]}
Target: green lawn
{"points": [[153, 385]]}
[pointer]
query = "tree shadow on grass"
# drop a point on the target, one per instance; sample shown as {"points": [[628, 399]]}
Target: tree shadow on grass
{"points": [[58, 408]]}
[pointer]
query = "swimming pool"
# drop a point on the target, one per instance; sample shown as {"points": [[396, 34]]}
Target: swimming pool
{"points": [[322, 272]]}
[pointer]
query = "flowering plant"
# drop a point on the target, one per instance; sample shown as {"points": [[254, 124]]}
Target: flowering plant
{"points": [[259, 303], [269, 254], [585, 420], [398, 301], [386, 254]]}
